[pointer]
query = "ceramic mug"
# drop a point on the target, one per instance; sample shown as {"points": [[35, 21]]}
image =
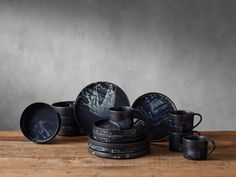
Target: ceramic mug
{"points": [[176, 140], [68, 126], [182, 121], [123, 116], [196, 147]]}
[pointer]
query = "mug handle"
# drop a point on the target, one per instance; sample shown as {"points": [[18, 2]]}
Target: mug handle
{"points": [[213, 146], [200, 120]]}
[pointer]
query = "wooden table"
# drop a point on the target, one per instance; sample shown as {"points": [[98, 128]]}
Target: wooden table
{"points": [[70, 157]]}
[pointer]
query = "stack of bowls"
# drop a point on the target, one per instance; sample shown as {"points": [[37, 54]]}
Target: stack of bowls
{"points": [[181, 125], [119, 137]]}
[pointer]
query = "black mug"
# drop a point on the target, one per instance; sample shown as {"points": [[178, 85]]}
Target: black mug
{"points": [[182, 121], [123, 116], [195, 147], [176, 140], [69, 126]]}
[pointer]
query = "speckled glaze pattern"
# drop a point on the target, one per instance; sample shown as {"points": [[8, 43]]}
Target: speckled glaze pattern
{"points": [[155, 107], [40, 122], [94, 101]]}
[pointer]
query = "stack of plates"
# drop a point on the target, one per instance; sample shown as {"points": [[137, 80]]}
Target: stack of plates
{"points": [[109, 142]]}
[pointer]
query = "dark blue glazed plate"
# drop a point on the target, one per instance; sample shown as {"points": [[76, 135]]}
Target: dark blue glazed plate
{"points": [[40, 122], [155, 108], [94, 101]]}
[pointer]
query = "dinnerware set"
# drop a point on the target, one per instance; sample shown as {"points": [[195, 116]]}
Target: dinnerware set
{"points": [[116, 129]]}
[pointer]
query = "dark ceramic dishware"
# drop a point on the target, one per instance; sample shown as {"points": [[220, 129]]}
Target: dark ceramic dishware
{"points": [[114, 139], [119, 136], [155, 107], [106, 129], [64, 107], [135, 136], [176, 140], [182, 121], [69, 126], [117, 150], [40, 123], [94, 101], [196, 147], [109, 147], [120, 155], [144, 142], [123, 116]]}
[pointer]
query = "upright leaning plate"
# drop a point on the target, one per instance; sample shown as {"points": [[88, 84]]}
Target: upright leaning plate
{"points": [[155, 107], [94, 101]]}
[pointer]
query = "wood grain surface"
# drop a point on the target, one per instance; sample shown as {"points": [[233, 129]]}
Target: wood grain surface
{"points": [[69, 156]]}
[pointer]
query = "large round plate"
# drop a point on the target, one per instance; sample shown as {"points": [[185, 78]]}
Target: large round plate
{"points": [[155, 108], [94, 101]]}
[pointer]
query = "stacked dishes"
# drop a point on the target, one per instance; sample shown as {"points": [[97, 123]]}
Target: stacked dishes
{"points": [[119, 137], [117, 131]]}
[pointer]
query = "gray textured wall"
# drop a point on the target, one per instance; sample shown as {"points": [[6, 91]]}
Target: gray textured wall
{"points": [[186, 49]]}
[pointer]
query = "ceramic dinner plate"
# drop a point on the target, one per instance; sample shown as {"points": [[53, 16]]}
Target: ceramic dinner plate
{"points": [[155, 108], [94, 101]]}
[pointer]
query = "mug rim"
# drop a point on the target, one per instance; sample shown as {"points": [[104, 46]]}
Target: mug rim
{"points": [[120, 113], [181, 113], [200, 139], [64, 104], [180, 133]]}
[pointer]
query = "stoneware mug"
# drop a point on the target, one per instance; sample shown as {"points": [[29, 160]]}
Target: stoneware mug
{"points": [[176, 140], [68, 126], [182, 121], [195, 147], [123, 116]]}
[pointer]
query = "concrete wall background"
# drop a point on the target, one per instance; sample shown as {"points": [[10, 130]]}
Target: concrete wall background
{"points": [[186, 49]]}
